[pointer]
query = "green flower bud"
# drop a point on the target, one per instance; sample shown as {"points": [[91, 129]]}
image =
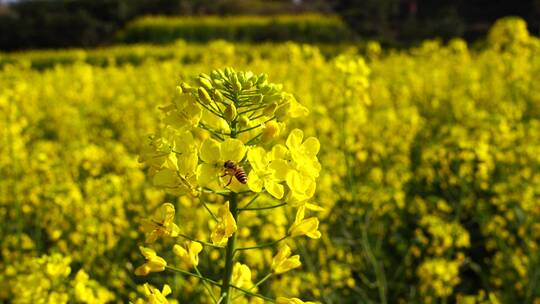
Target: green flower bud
{"points": [[248, 85], [272, 98], [218, 84], [217, 74], [271, 130], [186, 88], [243, 121], [270, 109], [242, 77], [256, 99], [282, 111], [204, 75], [262, 79], [229, 72], [205, 83], [230, 112], [204, 96], [236, 85], [265, 89], [217, 96]]}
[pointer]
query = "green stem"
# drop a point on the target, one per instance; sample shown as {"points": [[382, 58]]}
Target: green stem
{"points": [[209, 211], [251, 200], [229, 256], [256, 284], [262, 208], [200, 242], [253, 139], [262, 245], [249, 293], [257, 126], [223, 297], [192, 275], [208, 288]]}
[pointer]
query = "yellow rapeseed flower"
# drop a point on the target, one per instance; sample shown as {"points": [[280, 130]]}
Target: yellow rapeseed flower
{"points": [[283, 262], [308, 227], [153, 263], [155, 296], [161, 224], [226, 226], [189, 253]]}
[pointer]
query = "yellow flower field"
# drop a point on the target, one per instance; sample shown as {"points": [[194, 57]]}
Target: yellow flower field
{"points": [[274, 174]]}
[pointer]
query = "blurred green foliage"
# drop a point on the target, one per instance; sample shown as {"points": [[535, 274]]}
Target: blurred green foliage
{"points": [[304, 28]]}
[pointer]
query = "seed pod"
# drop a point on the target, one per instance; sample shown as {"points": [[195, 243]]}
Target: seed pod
{"points": [[230, 112], [204, 96]]}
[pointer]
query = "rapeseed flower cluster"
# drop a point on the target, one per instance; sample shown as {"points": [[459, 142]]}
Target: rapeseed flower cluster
{"points": [[213, 133]]}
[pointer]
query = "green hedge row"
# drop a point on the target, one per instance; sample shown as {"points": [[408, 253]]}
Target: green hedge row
{"points": [[136, 54], [303, 28]]}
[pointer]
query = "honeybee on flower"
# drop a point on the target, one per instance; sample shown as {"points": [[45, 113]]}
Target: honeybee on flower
{"points": [[234, 170]]}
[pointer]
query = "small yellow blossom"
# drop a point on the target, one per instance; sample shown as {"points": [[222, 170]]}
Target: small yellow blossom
{"points": [[189, 253], [226, 226], [266, 173], [214, 154], [241, 276], [153, 262], [155, 296], [283, 262], [161, 224], [301, 226]]}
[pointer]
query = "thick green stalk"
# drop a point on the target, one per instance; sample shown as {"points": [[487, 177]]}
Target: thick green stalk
{"points": [[231, 243]]}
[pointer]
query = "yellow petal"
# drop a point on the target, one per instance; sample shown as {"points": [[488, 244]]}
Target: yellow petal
{"points": [[232, 149], [275, 189], [210, 151], [294, 140]]}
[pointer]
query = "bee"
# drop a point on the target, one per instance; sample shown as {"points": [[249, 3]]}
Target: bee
{"points": [[232, 169]]}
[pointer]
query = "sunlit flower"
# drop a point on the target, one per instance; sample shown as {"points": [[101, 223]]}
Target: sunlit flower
{"points": [[283, 262], [308, 227], [266, 173], [161, 224], [241, 276], [226, 226], [189, 253], [153, 262], [155, 296], [214, 154]]}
